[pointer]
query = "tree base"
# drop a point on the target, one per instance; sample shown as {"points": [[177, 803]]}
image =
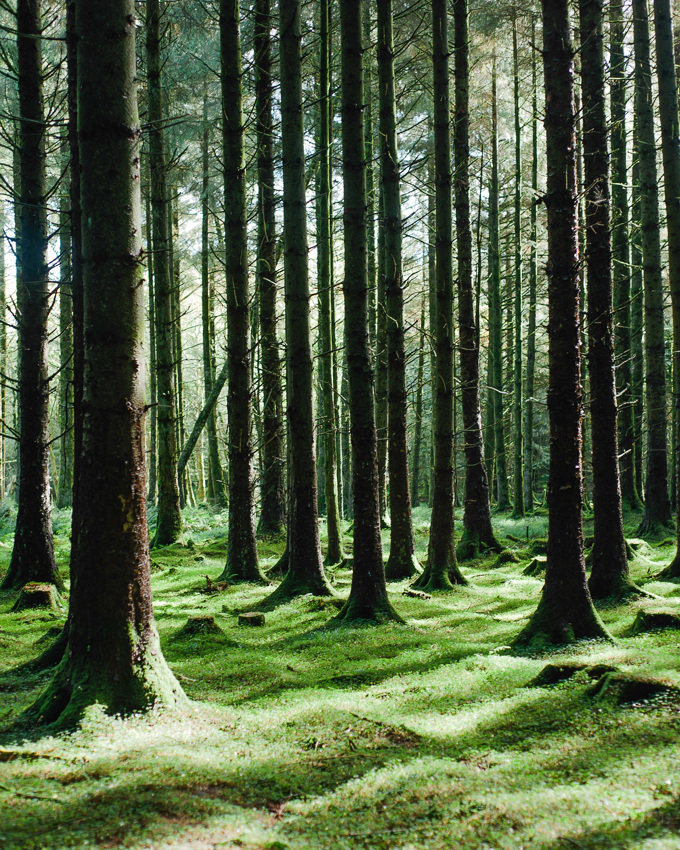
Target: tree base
{"points": [[293, 586], [552, 625], [147, 683], [654, 529], [439, 579], [672, 571], [37, 595], [357, 612], [253, 576], [472, 546], [615, 592], [399, 567]]}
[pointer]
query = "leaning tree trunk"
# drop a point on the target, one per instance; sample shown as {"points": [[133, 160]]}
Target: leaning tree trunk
{"points": [[368, 600], [609, 576], [402, 561], [273, 486], [242, 564], [670, 131], [169, 519], [114, 657], [33, 552], [305, 568], [442, 572], [657, 516], [477, 531], [565, 612]]}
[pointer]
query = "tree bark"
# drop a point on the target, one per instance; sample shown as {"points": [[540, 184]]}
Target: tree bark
{"points": [[657, 516], [402, 561], [113, 657], [477, 531], [368, 600], [242, 563], [609, 576], [65, 488], [442, 572], [565, 612], [518, 388], [33, 551], [273, 486], [169, 517]]}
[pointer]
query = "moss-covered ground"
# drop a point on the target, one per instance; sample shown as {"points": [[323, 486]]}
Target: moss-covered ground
{"points": [[416, 736]]}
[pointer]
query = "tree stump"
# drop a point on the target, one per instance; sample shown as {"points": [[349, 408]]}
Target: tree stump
{"points": [[197, 626], [626, 688], [37, 595], [251, 618], [536, 567], [652, 621]]}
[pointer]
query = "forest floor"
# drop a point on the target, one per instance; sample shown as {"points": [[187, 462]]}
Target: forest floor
{"points": [[424, 735]]}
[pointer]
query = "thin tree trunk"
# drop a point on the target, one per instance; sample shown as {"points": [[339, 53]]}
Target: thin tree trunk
{"points": [[518, 397], [609, 576], [442, 572], [305, 568], [33, 551], [477, 531], [657, 516], [402, 561], [242, 563], [565, 612], [637, 313], [368, 600], [169, 521], [418, 436]]}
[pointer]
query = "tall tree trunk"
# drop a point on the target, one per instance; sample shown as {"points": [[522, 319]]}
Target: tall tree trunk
{"points": [[368, 600], [518, 396], [670, 131], [169, 521], [621, 256], [114, 656], [418, 435], [477, 531], [381, 406], [242, 563], [657, 514], [565, 612], [65, 488], [216, 490], [402, 561], [152, 461], [273, 487], [334, 551], [637, 312], [371, 267], [496, 384], [33, 551], [3, 357], [442, 572], [609, 576], [533, 280], [305, 568]]}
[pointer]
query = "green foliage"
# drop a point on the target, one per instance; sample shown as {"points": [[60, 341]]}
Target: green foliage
{"points": [[423, 735]]}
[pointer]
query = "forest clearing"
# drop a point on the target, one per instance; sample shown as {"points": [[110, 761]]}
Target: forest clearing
{"points": [[426, 735]]}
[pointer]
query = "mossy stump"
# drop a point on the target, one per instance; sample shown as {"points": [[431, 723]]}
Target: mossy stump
{"points": [[199, 626], [625, 688], [505, 557], [37, 595], [653, 621], [251, 618], [553, 674], [536, 567]]}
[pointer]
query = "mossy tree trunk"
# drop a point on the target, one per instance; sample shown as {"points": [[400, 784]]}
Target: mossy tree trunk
{"points": [[670, 132], [273, 487], [657, 514], [477, 531], [609, 576], [242, 563], [402, 561], [368, 600], [329, 425], [33, 551], [169, 521], [442, 572], [113, 657], [565, 612], [305, 568]]}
